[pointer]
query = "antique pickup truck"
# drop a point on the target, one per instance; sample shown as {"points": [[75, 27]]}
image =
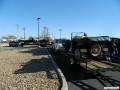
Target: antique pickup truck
{"points": [[93, 54], [89, 47], [83, 47]]}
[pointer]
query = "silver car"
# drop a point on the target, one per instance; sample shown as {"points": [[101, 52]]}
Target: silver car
{"points": [[58, 45]]}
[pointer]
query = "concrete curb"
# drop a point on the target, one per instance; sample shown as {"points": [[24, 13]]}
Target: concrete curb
{"points": [[64, 82]]}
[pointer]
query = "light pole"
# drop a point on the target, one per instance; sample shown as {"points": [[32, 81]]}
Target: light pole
{"points": [[24, 32], [60, 32], [17, 32], [38, 32]]}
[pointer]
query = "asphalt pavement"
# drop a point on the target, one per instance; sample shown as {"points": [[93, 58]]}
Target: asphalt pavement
{"points": [[78, 80]]}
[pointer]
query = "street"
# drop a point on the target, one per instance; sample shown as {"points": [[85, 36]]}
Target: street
{"points": [[78, 80]]}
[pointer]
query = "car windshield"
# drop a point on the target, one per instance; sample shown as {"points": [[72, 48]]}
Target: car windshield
{"points": [[13, 42], [56, 40]]}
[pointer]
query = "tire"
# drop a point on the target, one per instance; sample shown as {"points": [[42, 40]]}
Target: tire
{"points": [[96, 50], [77, 53], [66, 62], [16, 45], [56, 52], [22, 45]]}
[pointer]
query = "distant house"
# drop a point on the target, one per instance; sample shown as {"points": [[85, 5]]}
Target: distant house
{"points": [[8, 38]]}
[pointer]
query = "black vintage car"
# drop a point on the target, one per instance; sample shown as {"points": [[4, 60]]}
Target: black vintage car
{"points": [[13, 44], [82, 47]]}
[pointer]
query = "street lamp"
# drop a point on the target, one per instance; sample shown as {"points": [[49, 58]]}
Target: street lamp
{"points": [[24, 32], [17, 31], [38, 32], [60, 32]]}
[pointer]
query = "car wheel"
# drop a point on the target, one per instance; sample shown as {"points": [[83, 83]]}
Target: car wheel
{"points": [[67, 62], [96, 50], [77, 53]]}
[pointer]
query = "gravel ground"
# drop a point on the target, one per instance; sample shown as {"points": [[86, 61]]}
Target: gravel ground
{"points": [[27, 69], [4, 44]]}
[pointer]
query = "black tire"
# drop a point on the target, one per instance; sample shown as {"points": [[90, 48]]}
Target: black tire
{"points": [[16, 45], [66, 62], [77, 53], [56, 52], [22, 44], [45, 45], [96, 50]]}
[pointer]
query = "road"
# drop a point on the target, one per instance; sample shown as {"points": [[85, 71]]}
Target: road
{"points": [[78, 80]]}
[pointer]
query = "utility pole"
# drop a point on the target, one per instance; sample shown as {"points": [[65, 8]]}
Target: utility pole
{"points": [[44, 32], [38, 32], [47, 32], [60, 32], [24, 32], [17, 31]]}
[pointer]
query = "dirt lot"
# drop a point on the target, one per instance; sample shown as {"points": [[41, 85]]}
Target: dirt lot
{"points": [[4, 44], [27, 69]]}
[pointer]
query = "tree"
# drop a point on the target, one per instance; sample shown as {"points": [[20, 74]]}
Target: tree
{"points": [[11, 37], [31, 38]]}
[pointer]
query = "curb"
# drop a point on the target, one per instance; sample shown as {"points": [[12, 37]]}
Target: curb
{"points": [[64, 82]]}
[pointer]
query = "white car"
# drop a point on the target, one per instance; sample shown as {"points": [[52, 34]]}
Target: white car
{"points": [[58, 45]]}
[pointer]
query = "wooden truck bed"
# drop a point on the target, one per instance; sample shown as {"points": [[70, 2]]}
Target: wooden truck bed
{"points": [[94, 65]]}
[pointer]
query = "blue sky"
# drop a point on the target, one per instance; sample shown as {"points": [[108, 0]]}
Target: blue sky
{"points": [[95, 17]]}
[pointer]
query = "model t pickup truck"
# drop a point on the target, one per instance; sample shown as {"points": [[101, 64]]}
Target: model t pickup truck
{"points": [[82, 47], [94, 54]]}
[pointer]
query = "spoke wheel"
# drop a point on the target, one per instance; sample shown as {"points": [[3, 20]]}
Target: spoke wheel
{"points": [[96, 50]]}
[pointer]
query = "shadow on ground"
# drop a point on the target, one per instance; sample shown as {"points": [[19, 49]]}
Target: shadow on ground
{"points": [[76, 76], [82, 85], [116, 82], [37, 65], [36, 51]]}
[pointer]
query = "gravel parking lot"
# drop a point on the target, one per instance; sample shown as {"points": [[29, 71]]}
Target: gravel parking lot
{"points": [[27, 69]]}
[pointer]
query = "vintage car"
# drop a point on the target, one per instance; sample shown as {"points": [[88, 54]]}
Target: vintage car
{"points": [[83, 47], [13, 43]]}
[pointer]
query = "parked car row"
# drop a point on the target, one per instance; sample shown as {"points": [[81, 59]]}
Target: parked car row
{"points": [[15, 44]]}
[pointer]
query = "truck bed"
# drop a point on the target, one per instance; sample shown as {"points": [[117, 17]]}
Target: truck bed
{"points": [[94, 65]]}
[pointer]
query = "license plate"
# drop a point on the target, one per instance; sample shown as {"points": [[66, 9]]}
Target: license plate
{"points": [[105, 49], [83, 50]]}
